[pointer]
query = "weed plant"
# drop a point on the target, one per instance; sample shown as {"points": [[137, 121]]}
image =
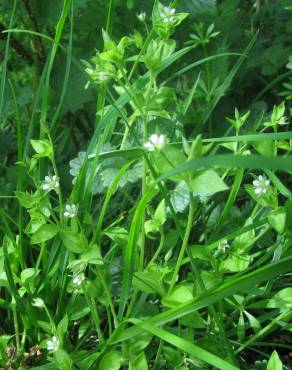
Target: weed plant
{"points": [[145, 189]]}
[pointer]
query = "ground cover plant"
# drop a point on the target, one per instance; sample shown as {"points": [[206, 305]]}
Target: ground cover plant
{"points": [[145, 184]]}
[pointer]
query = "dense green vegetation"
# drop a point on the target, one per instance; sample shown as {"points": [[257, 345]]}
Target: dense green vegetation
{"points": [[145, 184]]}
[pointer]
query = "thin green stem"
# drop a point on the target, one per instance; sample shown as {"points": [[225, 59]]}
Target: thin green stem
{"points": [[184, 243]]}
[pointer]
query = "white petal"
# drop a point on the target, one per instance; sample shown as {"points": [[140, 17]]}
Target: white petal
{"points": [[46, 187], [154, 139], [149, 147], [47, 179], [172, 11], [261, 178], [66, 214], [256, 183], [258, 190], [161, 140], [267, 182]]}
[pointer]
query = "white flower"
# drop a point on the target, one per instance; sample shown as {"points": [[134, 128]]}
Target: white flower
{"points": [[222, 248], [141, 16], [155, 142], [102, 75], [38, 302], [78, 280], [71, 210], [167, 14], [53, 344], [51, 183], [261, 185]]}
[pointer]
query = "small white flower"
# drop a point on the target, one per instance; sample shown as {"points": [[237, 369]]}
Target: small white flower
{"points": [[261, 185], [155, 142], [71, 210], [103, 75], [141, 16], [78, 280], [222, 248], [38, 302], [51, 183], [53, 344], [167, 14]]}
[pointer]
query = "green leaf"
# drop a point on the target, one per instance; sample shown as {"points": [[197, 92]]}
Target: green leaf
{"points": [[44, 233], [63, 326], [75, 242], [28, 275], [180, 197], [274, 362], [92, 255], [207, 182], [186, 346], [277, 219], [26, 200], [151, 279], [112, 360], [118, 234], [237, 262], [180, 294], [139, 363], [158, 220], [43, 148], [282, 299], [288, 209], [63, 360]]}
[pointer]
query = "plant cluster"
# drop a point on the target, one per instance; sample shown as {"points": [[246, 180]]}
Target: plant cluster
{"points": [[145, 189]]}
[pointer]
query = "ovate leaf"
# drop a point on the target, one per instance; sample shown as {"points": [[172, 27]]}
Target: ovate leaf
{"points": [[274, 362], [44, 233], [207, 183]]}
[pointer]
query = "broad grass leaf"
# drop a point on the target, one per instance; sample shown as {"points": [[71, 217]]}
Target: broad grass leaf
{"points": [[44, 233]]}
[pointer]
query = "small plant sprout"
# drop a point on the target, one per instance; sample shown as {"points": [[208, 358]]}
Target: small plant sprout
{"points": [[155, 143], [167, 14], [70, 210], [78, 280], [141, 16], [51, 183], [261, 185], [53, 344]]}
